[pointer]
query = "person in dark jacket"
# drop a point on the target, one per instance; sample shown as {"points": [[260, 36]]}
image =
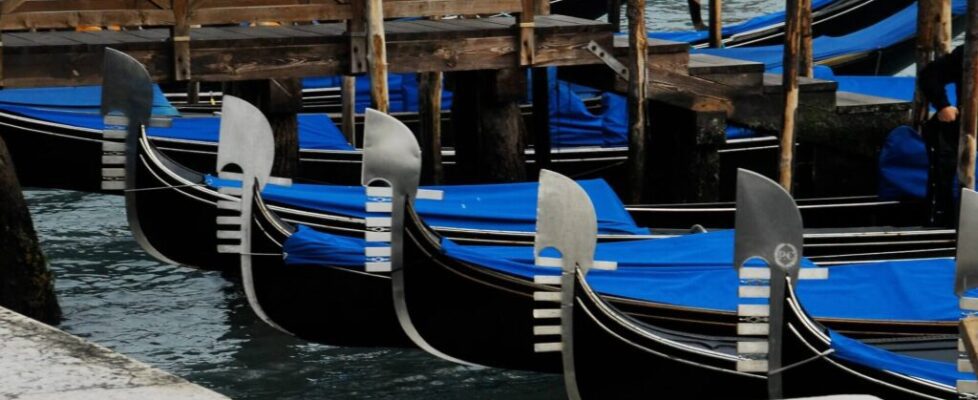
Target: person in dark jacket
{"points": [[941, 135]]}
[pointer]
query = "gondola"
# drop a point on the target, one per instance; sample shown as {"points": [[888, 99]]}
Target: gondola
{"points": [[780, 350], [271, 287]]}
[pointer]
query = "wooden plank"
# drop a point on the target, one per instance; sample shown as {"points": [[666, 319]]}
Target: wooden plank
{"points": [[968, 328], [71, 19]]}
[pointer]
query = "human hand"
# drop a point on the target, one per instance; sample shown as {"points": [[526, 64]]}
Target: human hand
{"points": [[948, 114]]}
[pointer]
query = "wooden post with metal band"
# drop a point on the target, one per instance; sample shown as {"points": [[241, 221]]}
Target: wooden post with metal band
{"points": [[180, 35], [528, 44], [969, 101], [377, 55], [807, 62], [637, 91], [716, 23], [358, 64]]}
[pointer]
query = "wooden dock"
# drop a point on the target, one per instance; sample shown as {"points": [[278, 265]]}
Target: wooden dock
{"points": [[40, 362]]}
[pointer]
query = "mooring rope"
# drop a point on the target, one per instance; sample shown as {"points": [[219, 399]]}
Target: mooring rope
{"points": [[800, 363], [164, 187]]}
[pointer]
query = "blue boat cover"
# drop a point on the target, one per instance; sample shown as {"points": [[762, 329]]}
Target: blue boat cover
{"points": [[890, 31], [316, 131], [403, 91], [87, 99], [758, 22], [903, 166], [506, 206], [696, 271], [869, 356], [894, 87]]}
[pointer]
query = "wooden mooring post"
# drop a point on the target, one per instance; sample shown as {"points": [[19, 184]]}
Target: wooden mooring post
{"points": [[806, 52], [969, 101], [377, 55], [348, 104], [614, 14], [26, 284], [637, 90], [789, 81], [933, 40], [716, 23], [541, 118], [488, 126], [429, 110]]}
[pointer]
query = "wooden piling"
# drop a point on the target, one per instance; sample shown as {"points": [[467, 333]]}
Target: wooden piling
{"points": [[789, 81], [541, 118], [26, 284], [280, 100], [637, 83], [377, 54], [928, 15], [348, 104], [969, 101], [429, 110], [716, 23], [944, 33], [488, 127], [696, 14], [806, 53]]}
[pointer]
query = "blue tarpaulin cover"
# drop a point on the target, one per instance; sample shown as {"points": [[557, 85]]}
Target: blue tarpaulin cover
{"points": [[403, 91], [82, 99], [316, 131], [863, 354], [903, 165], [696, 271], [758, 22], [890, 31], [507, 206]]}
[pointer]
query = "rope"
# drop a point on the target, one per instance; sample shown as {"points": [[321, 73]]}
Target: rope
{"points": [[163, 187], [802, 362]]}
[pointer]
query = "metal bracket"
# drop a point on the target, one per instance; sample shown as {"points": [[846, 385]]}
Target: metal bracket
{"points": [[609, 59]]}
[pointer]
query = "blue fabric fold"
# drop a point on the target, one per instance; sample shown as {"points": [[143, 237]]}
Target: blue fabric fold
{"points": [[507, 207], [866, 355]]}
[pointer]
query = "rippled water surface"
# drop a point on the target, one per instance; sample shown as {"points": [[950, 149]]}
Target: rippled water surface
{"points": [[198, 325]]}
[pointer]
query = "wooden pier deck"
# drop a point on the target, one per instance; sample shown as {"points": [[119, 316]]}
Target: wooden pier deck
{"points": [[239, 53], [40, 363]]}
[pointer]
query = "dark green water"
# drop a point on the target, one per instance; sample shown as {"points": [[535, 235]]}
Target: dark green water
{"points": [[198, 325]]}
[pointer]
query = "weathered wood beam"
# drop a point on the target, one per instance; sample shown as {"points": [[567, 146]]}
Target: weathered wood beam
{"points": [[969, 101], [528, 43], [790, 86], [637, 87], [220, 54]]}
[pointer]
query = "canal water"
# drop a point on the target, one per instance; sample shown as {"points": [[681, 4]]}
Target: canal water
{"points": [[198, 325]]}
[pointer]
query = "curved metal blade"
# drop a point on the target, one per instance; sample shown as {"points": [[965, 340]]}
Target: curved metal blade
{"points": [[566, 221], [127, 88], [767, 225], [390, 153], [246, 140], [966, 273]]}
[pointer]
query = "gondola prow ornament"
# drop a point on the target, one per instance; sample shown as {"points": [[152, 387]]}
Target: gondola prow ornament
{"points": [[768, 228]]}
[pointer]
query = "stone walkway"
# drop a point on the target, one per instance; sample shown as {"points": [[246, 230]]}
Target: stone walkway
{"points": [[40, 362]]}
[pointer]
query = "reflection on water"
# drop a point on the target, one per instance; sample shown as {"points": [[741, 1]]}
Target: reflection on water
{"points": [[198, 325]]}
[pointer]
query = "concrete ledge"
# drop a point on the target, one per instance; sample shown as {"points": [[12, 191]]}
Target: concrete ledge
{"points": [[41, 362]]}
